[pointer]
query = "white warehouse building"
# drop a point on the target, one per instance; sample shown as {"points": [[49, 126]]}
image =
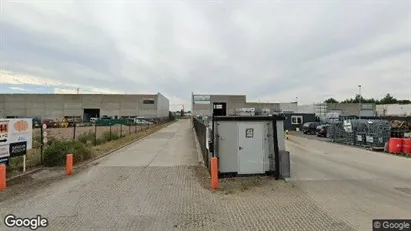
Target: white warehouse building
{"points": [[83, 106]]}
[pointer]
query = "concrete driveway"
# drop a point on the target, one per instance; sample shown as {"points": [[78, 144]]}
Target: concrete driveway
{"points": [[155, 184]]}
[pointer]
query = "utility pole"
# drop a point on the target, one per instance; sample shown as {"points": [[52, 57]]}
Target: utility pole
{"points": [[359, 101]]}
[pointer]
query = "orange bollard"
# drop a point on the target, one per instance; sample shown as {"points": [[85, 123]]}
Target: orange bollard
{"points": [[214, 173], [2, 177], [69, 164]]}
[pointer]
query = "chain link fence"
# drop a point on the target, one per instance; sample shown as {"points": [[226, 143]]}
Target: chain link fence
{"points": [[92, 134]]}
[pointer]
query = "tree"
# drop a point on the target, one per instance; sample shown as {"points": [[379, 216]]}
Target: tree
{"points": [[331, 100], [404, 101], [388, 99]]}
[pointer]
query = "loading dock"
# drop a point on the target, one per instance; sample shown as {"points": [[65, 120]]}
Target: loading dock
{"points": [[219, 109], [89, 113]]}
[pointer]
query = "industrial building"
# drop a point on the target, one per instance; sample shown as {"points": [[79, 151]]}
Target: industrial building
{"points": [[230, 104], [394, 110], [343, 109], [83, 106]]}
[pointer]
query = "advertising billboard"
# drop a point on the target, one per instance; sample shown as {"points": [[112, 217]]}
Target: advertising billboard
{"points": [[15, 137]]}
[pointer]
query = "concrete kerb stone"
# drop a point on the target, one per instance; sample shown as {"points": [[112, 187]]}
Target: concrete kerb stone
{"points": [[24, 174], [86, 163], [198, 149]]}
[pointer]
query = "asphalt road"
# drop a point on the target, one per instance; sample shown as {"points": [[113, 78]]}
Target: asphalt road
{"points": [[352, 184], [311, 137]]}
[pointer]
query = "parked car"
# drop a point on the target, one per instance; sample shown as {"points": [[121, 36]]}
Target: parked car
{"points": [[310, 127], [141, 121], [322, 130], [50, 123], [149, 120], [36, 122]]}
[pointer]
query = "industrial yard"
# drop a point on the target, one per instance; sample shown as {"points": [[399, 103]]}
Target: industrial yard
{"points": [[332, 187], [382, 134], [205, 115]]}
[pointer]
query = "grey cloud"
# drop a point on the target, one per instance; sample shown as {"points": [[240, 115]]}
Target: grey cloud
{"points": [[262, 49]]}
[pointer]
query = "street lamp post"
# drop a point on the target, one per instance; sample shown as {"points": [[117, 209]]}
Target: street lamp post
{"points": [[359, 101]]}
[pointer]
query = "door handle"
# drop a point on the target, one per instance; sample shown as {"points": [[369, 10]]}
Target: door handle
{"points": [[240, 148]]}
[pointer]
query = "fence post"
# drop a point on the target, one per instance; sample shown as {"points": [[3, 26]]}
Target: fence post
{"points": [[3, 177], [214, 173], [129, 129], [74, 131], [95, 134], [110, 132], [121, 130], [41, 144], [69, 164]]}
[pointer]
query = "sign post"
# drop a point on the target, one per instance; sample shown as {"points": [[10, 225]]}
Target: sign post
{"points": [[43, 137], [15, 139]]}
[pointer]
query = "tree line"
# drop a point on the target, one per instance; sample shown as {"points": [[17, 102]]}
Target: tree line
{"points": [[387, 99]]}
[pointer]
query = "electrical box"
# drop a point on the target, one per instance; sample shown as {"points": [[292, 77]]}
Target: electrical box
{"points": [[248, 144]]}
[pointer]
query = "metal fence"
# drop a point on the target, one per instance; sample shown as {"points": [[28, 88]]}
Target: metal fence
{"points": [[360, 132], [201, 131], [91, 133]]}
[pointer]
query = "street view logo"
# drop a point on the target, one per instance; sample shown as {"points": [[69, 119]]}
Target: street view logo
{"points": [[21, 126]]}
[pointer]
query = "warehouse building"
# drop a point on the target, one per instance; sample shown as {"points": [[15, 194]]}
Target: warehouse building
{"points": [[343, 109], [230, 104], [83, 106]]}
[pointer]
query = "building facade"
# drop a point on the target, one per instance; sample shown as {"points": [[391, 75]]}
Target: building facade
{"points": [[84, 106], [343, 109], [202, 104], [394, 110]]}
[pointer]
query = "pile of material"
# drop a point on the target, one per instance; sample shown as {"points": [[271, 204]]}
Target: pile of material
{"points": [[403, 125], [360, 132]]}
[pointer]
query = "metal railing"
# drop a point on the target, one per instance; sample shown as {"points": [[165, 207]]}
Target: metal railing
{"points": [[201, 131]]}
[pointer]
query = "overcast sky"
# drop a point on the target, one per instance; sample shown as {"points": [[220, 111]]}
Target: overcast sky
{"points": [[269, 50]]}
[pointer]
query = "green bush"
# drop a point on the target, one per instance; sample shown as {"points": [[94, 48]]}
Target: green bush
{"points": [[107, 136], [36, 142], [51, 140], [85, 138], [55, 154]]}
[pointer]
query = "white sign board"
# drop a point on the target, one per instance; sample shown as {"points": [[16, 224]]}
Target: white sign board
{"points": [[15, 135], [201, 99], [347, 126]]}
